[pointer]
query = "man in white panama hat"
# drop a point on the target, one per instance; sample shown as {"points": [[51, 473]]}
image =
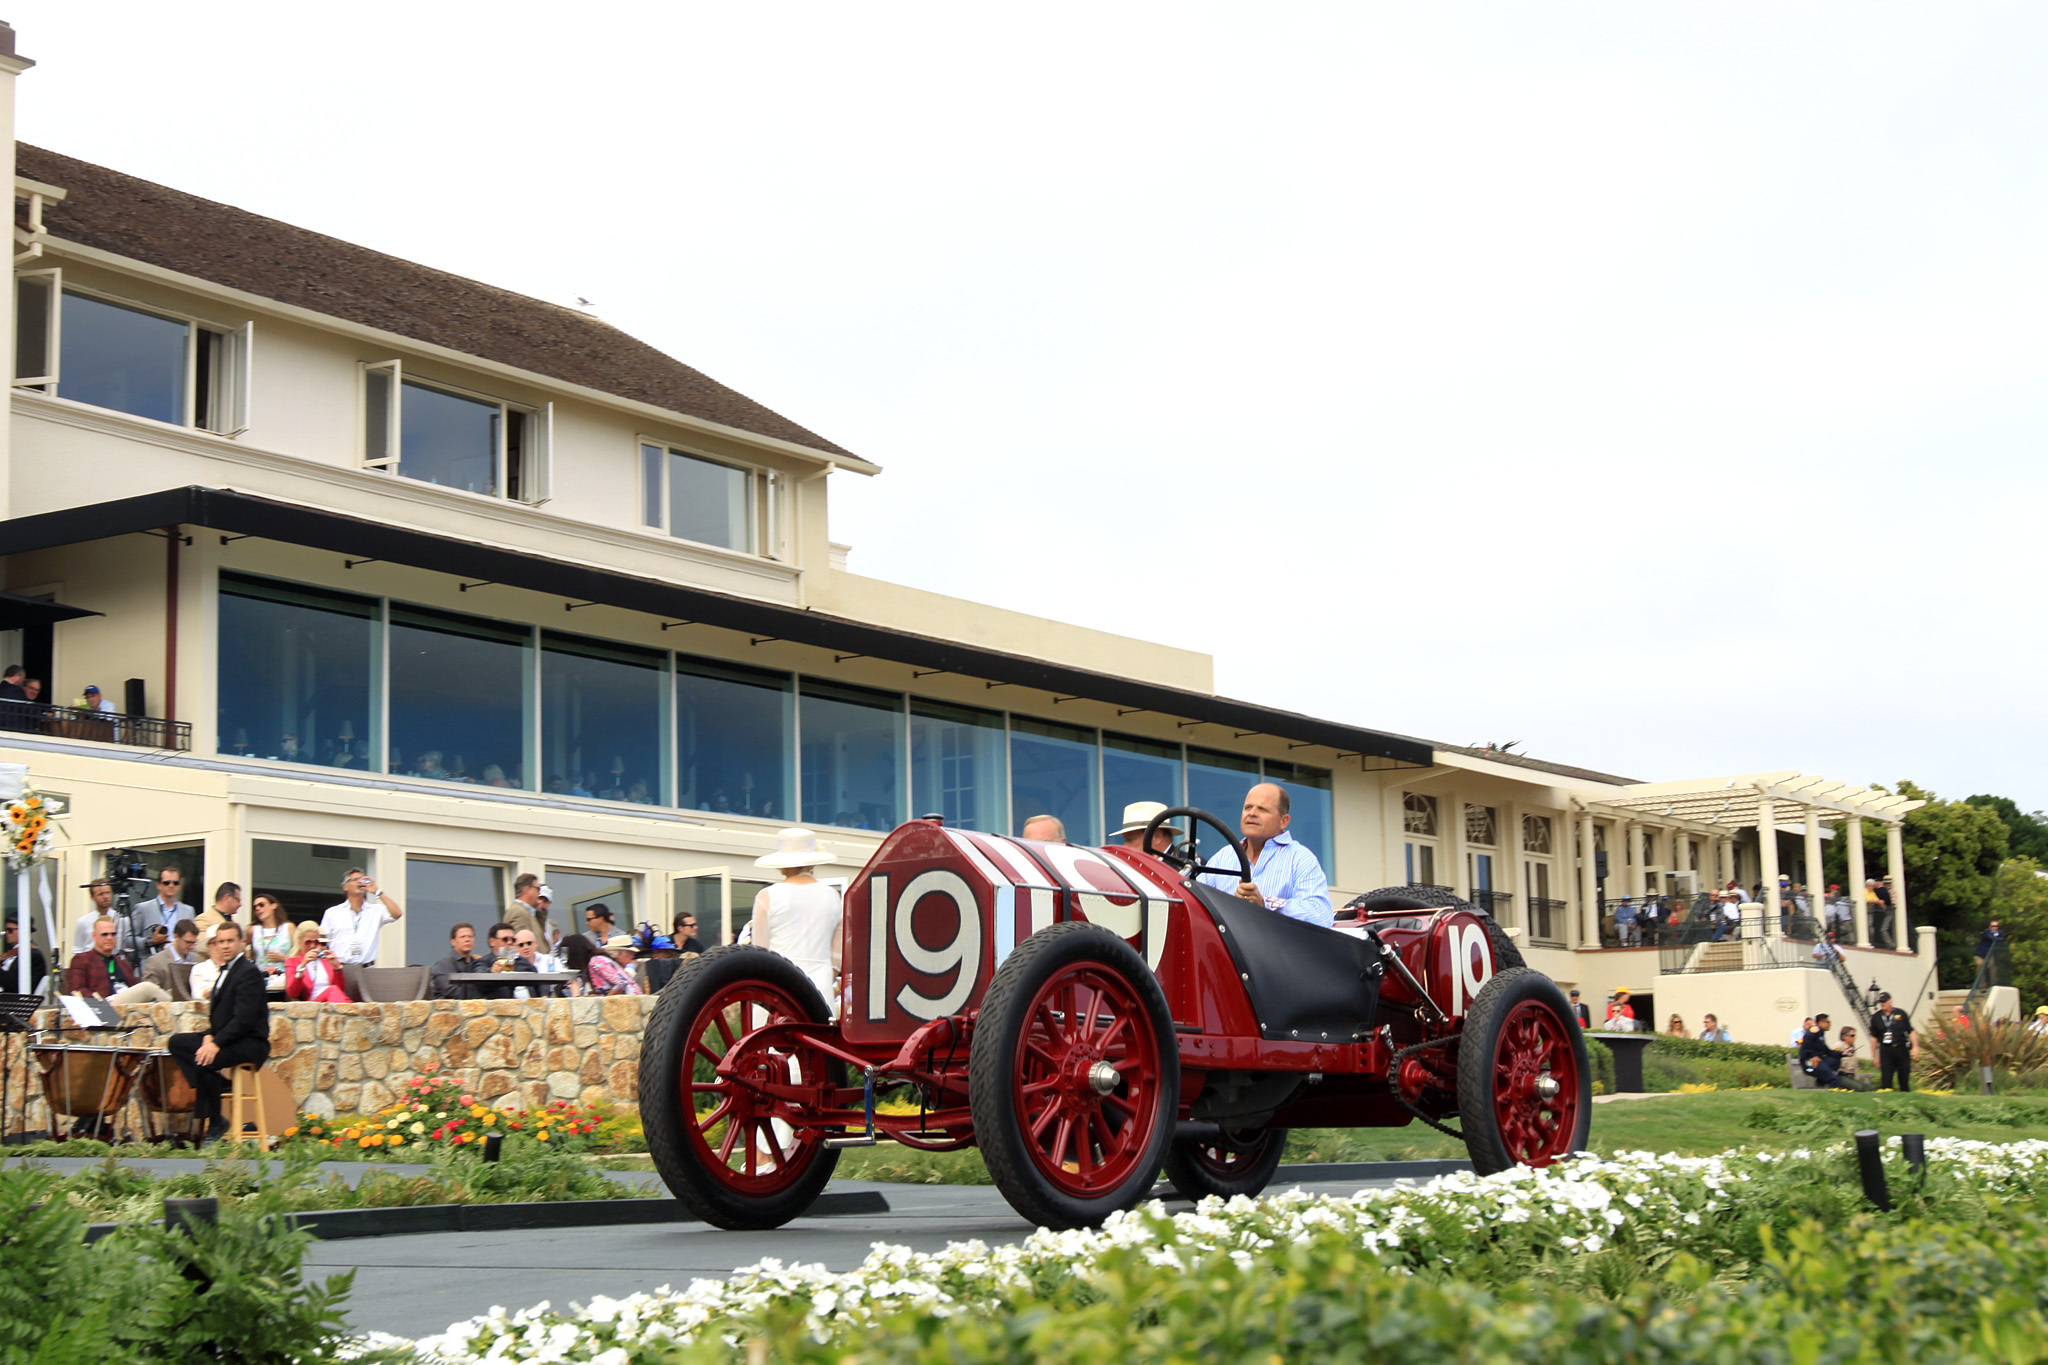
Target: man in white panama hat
{"points": [[1139, 814], [799, 915]]}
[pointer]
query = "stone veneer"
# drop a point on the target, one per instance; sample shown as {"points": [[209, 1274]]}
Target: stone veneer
{"points": [[349, 1059]]}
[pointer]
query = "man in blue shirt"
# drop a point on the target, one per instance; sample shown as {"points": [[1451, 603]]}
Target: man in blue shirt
{"points": [[1286, 878]]}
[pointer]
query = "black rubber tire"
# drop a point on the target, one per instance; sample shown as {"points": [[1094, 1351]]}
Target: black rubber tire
{"points": [[1197, 1180], [1483, 1022], [663, 1101], [992, 1065], [1505, 953]]}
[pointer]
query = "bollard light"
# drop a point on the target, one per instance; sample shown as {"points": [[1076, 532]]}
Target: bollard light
{"points": [[491, 1145], [1916, 1152], [181, 1217], [1870, 1161]]}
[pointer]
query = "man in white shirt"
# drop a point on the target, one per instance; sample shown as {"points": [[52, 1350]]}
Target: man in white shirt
{"points": [[102, 892], [352, 927]]}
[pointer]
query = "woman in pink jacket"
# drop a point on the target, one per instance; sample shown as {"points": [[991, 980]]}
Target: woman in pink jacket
{"points": [[313, 974]]}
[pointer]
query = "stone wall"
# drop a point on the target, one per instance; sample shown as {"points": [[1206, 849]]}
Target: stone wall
{"points": [[355, 1058]]}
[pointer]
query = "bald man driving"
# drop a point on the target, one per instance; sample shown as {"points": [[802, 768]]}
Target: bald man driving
{"points": [[1286, 878]]}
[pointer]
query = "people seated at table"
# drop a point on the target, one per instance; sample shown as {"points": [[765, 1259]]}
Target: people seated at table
{"points": [[102, 973], [601, 973], [237, 1029], [461, 957], [313, 973]]}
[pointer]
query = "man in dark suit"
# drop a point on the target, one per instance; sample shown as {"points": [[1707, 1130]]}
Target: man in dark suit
{"points": [[238, 1027]]}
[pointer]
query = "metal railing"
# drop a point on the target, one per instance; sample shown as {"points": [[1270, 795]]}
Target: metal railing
{"points": [[1994, 970], [1755, 943], [106, 727], [1499, 904]]}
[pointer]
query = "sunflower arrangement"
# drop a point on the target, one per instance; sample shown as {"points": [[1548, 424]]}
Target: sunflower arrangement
{"points": [[29, 825]]}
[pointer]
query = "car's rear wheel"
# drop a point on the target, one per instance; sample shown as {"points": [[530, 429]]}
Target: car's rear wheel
{"points": [[1240, 1162], [728, 1152], [1525, 1088], [1074, 1079]]}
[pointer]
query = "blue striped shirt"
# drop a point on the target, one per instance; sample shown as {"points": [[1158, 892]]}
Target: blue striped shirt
{"points": [[1287, 875]]}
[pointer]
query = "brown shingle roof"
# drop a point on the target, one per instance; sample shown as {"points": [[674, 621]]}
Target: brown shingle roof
{"points": [[1538, 764], [182, 232]]}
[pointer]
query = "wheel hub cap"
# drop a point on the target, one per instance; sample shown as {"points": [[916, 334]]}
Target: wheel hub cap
{"points": [[1546, 1088], [1102, 1078]]}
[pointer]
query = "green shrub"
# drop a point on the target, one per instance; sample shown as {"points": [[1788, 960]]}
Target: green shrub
{"points": [[1603, 1066], [1693, 1048], [144, 1296]]}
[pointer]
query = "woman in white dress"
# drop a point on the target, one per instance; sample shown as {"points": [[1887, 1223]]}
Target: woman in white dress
{"points": [[799, 916]]}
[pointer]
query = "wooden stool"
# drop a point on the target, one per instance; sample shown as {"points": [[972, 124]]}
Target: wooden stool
{"points": [[247, 1090]]}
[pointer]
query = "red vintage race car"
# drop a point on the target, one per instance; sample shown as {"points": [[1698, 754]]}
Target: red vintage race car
{"points": [[1089, 1016]]}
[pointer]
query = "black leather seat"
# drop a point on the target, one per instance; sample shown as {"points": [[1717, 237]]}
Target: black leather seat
{"points": [[1307, 983]]}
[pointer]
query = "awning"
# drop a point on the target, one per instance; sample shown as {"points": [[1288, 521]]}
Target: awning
{"points": [[17, 611], [288, 523], [1737, 802]]}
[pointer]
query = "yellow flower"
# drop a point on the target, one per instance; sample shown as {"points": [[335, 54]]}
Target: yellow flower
{"points": [[542, 1135], [394, 1141], [292, 1131]]}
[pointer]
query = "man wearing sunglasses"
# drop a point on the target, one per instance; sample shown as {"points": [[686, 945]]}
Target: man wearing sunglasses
{"points": [[166, 908]]}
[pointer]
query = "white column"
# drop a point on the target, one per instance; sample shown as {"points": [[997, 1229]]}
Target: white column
{"points": [[1589, 891], [1507, 874], [1816, 879], [1767, 852], [1895, 867], [1852, 830], [1456, 875]]}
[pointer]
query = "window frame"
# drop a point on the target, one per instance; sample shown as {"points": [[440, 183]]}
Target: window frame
{"points": [[228, 400], [764, 497], [532, 476]]}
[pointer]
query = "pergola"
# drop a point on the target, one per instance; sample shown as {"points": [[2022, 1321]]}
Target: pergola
{"points": [[1718, 807]]}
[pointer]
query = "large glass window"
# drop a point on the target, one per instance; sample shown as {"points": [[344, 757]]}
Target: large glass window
{"points": [[1053, 772], [305, 878], [297, 673], [733, 746], [457, 440], [600, 719], [852, 756], [123, 358], [576, 892], [956, 765], [1137, 770], [699, 499], [440, 895], [1308, 800], [461, 697], [1217, 783]]}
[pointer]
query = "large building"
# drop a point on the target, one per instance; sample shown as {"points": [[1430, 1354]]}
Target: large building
{"points": [[387, 567]]}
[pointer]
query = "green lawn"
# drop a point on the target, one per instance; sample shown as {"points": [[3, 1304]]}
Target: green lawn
{"points": [[1693, 1125]]}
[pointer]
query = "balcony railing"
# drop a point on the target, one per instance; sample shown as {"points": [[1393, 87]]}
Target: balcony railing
{"points": [[1499, 904], [106, 727], [1756, 943]]}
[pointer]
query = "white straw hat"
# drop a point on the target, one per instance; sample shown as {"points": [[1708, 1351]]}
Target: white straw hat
{"points": [[1139, 814], [793, 848]]}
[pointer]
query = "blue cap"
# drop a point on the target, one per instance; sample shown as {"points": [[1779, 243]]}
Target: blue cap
{"points": [[90, 688]]}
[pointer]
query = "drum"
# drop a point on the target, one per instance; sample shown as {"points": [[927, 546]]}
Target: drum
{"points": [[170, 1098], [87, 1080]]}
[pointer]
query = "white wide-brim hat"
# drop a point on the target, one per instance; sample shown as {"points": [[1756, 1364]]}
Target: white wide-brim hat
{"points": [[793, 848], [1139, 814]]}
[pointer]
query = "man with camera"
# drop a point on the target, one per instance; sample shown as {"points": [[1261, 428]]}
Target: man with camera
{"points": [[352, 928], [237, 1028]]}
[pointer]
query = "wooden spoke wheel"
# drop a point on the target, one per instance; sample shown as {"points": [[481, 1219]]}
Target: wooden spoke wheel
{"points": [[735, 1156], [1525, 1089], [1074, 1078]]}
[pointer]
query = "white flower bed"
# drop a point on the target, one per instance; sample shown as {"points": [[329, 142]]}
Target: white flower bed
{"points": [[1583, 1206]]}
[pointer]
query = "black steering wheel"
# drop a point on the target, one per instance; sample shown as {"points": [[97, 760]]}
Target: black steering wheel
{"points": [[1187, 865]]}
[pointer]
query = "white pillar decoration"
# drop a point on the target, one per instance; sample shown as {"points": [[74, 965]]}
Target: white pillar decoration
{"points": [[1816, 879], [1895, 867], [1589, 891], [1767, 853], [1853, 832], [22, 937]]}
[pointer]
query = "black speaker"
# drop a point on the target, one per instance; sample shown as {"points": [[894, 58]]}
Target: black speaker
{"points": [[134, 702], [1600, 864]]}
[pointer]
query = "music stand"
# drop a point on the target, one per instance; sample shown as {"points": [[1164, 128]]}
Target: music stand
{"points": [[15, 1013]]}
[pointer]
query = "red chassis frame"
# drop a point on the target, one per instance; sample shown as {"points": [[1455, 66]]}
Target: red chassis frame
{"points": [[937, 910]]}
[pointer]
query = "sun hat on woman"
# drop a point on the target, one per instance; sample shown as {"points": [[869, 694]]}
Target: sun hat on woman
{"points": [[793, 848]]}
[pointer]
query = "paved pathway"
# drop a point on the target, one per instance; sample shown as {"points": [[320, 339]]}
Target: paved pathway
{"points": [[415, 1285]]}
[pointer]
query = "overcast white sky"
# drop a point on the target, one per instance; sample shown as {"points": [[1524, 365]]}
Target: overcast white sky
{"points": [[1659, 385]]}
